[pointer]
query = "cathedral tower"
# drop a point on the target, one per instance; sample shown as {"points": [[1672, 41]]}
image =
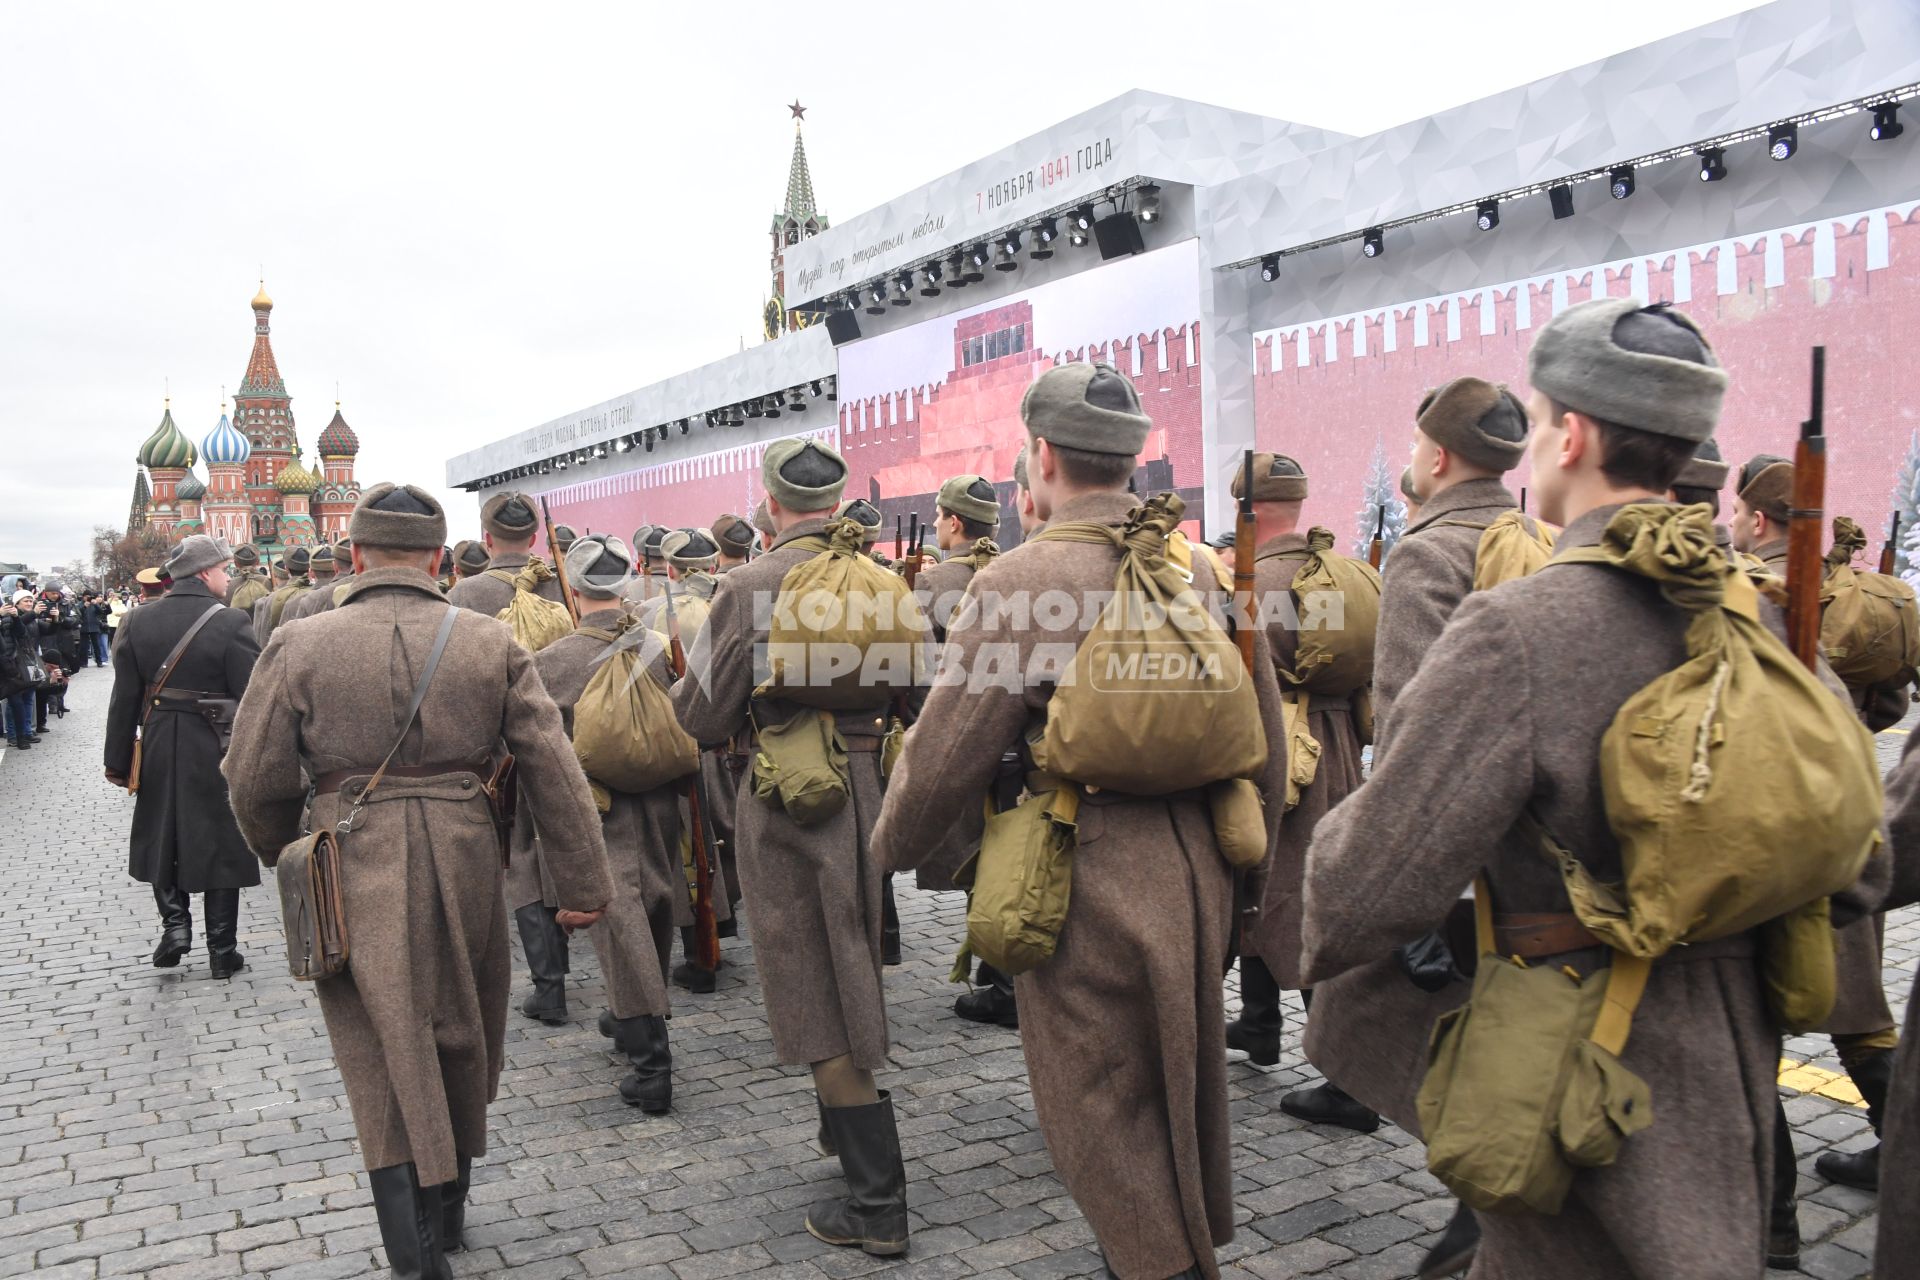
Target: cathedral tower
{"points": [[263, 411], [799, 220]]}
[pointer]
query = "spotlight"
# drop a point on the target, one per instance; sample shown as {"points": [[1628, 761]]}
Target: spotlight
{"points": [[796, 402], [600, 451], [1713, 164], [877, 299], [1270, 268], [1886, 122], [903, 289], [560, 464], [957, 272], [1488, 215], [1371, 243], [1149, 208], [833, 386], [1045, 232], [685, 425], [1561, 197], [814, 386], [770, 406], [931, 289], [976, 258], [1620, 182], [753, 409], [734, 419], [1783, 140], [1009, 253], [1081, 219]]}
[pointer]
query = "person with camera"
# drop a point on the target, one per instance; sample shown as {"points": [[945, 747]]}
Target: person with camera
{"points": [[19, 668], [94, 612], [179, 669]]}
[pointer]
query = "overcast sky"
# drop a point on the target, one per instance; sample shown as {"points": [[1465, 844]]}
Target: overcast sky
{"points": [[476, 218]]}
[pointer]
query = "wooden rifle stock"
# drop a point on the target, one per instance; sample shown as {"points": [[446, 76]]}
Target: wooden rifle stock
{"points": [[559, 562], [1244, 535], [706, 924], [1377, 547], [1805, 564], [1889, 552]]}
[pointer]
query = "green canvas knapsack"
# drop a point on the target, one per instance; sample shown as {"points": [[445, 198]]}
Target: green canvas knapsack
{"points": [[535, 621], [1869, 622], [1157, 699], [1512, 546], [1334, 658], [624, 730], [845, 633]]}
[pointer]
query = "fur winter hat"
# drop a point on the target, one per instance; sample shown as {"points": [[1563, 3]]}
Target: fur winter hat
{"points": [[1478, 422], [397, 517]]}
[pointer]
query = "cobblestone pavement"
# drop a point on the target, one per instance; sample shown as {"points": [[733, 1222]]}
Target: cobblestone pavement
{"points": [[156, 1123]]}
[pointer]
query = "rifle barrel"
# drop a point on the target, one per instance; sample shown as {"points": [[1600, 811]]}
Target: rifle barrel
{"points": [[1244, 535], [1805, 563]]}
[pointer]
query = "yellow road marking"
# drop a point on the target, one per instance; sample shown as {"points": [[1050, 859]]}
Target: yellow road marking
{"points": [[1804, 1077]]}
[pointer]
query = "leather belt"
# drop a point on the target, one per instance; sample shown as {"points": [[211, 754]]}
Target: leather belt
{"points": [[329, 783], [862, 743], [1543, 933]]}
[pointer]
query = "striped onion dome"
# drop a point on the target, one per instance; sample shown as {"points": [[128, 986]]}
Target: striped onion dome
{"points": [[294, 478], [191, 489], [225, 446], [338, 440], [166, 447]]}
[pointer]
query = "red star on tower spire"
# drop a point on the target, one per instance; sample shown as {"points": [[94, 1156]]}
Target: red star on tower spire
{"points": [[799, 112]]}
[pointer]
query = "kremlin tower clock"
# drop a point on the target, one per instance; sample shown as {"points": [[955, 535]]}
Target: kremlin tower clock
{"points": [[256, 489]]}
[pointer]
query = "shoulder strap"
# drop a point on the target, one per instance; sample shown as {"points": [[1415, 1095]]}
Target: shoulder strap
{"points": [[413, 707], [501, 574], [1079, 531], [1458, 524], [173, 659], [598, 633]]}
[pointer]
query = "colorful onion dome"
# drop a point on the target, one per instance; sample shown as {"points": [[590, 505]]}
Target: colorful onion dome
{"points": [[166, 447], [224, 446], [294, 478], [192, 489], [338, 440]]}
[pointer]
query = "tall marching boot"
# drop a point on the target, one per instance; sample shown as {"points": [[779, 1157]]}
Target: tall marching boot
{"points": [[453, 1207], [1783, 1217], [222, 907], [176, 926], [649, 1086], [1872, 1076], [873, 1215], [546, 948], [889, 924], [990, 1002], [410, 1224], [688, 974], [1256, 1032]]}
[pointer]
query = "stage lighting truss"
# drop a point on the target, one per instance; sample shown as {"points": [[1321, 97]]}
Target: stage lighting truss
{"points": [[1487, 216], [930, 289]]}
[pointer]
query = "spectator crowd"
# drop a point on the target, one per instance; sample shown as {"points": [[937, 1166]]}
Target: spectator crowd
{"points": [[47, 633]]}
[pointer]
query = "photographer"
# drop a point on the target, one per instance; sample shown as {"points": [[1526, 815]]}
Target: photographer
{"points": [[19, 642], [94, 615]]}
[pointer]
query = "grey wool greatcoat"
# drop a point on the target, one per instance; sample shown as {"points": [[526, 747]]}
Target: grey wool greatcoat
{"points": [[642, 833], [184, 835], [1523, 684], [484, 593], [815, 891], [1121, 1026], [1274, 933], [318, 600], [941, 589], [1899, 1243], [271, 613], [418, 1020]]}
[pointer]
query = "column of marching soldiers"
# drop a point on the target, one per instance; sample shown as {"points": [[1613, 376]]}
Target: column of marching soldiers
{"points": [[1501, 671]]}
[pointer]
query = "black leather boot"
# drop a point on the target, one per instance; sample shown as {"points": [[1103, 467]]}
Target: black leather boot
{"points": [[1453, 1252], [410, 1224], [688, 974], [873, 1215], [1872, 1076], [1256, 1032], [1330, 1104], [825, 1138], [1783, 1217], [222, 908], [889, 924], [546, 948], [992, 1001], [649, 1086], [176, 926], [453, 1207]]}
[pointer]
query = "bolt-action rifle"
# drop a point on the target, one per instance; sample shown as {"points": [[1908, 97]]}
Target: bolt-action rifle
{"points": [[559, 562], [1377, 547], [1888, 552], [706, 925], [1805, 564]]}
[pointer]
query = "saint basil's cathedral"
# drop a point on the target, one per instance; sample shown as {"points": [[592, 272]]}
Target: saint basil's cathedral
{"points": [[255, 488]]}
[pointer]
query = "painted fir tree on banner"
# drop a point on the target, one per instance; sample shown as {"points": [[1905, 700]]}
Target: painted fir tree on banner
{"points": [[1382, 490], [1906, 506]]}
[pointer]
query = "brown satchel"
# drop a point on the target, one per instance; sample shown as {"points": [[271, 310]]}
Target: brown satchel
{"points": [[159, 686], [312, 905]]}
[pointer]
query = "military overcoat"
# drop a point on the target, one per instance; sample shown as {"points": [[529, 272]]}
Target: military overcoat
{"points": [[1121, 1026], [418, 1020], [1899, 1242], [183, 829], [320, 599], [815, 891], [941, 588], [483, 593], [1564, 649]]}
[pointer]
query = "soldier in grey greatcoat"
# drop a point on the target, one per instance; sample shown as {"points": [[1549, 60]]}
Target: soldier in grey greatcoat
{"points": [[509, 522], [1121, 1025], [417, 1020], [1899, 1240], [1270, 955], [816, 890], [1524, 683], [184, 840], [736, 539], [326, 595], [272, 611], [249, 581]]}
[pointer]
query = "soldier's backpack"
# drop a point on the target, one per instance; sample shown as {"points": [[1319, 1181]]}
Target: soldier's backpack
{"points": [[845, 633], [624, 730], [1870, 623], [535, 621], [1157, 699], [1338, 602], [1512, 546]]}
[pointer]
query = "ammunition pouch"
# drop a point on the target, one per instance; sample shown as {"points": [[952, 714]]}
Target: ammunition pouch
{"points": [[801, 767], [1022, 880]]}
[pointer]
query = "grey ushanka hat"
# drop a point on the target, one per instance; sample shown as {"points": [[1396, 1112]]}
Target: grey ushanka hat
{"points": [[1086, 406], [398, 517], [195, 553], [1276, 478], [1577, 362], [689, 550], [1477, 421], [1705, 469], [599, 565], [803, 475]]}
